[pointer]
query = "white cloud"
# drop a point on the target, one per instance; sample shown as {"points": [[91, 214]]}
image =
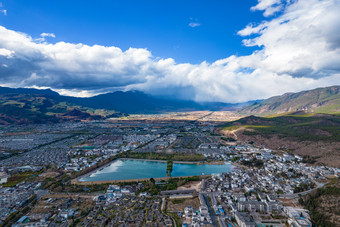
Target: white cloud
{"points": [[2, 11], [43, 37], [47, 35], [270, 7], [194, 24], [303, 42], [6, 53], [300, 49]]}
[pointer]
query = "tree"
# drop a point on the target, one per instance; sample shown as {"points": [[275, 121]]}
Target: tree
{"points": [[301, 201], [169, 168]]}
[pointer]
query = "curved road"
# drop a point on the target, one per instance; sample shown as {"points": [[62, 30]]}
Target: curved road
{"points": [[297, 195]]}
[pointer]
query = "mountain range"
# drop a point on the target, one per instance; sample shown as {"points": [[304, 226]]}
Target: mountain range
{"points": [[320, 100], [137, 102], [28, 105]]}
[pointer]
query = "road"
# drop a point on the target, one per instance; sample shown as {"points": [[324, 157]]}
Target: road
{"points": [[162, 210], [297, 195], [221, 217], [211, 211], [221, 221], [204, 116]]}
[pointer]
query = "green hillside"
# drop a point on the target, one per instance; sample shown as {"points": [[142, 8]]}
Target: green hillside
{"points": [[299, 126], [44, 108], [320, 100], [315, 137]]}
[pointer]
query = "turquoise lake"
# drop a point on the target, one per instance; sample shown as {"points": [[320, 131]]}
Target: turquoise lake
{"points": [[124, 169]]}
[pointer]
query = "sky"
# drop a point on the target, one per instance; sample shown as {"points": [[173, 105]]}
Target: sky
{"points": [[228, 51]]}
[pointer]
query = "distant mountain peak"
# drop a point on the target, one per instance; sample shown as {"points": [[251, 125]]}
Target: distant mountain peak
{"points": [[7, 90]]}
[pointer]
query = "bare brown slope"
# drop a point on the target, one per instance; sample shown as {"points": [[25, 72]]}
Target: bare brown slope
{"points": [[316, 136]]}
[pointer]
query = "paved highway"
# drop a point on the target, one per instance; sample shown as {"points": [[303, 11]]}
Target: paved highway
{"points": [[220, 218], [211, 211], [297, 195]]}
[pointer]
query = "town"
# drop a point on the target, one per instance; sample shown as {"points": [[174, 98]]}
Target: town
{"points": [[41, 166]]}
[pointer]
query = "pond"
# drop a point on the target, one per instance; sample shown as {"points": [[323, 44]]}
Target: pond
{"points": [[126, 169]]}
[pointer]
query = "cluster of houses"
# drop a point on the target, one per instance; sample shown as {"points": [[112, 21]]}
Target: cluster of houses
{"points": [[200, 217], [103, 147], [13, 198], [126, 210]]}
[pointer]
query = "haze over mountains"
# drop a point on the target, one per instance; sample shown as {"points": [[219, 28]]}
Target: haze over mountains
{"points": [[139, 102], [27, 105]]}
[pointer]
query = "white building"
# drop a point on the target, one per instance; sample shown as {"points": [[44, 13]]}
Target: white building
{"points": [[3, 177]]}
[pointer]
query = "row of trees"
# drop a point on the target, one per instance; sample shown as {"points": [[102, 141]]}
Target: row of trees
{"points": [[163, 156], [253, 163], [169, 168]]}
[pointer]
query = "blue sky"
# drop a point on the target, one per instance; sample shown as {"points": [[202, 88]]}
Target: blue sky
{"points": [[228, 51], [160, 26]]}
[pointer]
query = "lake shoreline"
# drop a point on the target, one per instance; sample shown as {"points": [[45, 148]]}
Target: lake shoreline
{"points": [[179, 162], [75, 181], [79, 179]]}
